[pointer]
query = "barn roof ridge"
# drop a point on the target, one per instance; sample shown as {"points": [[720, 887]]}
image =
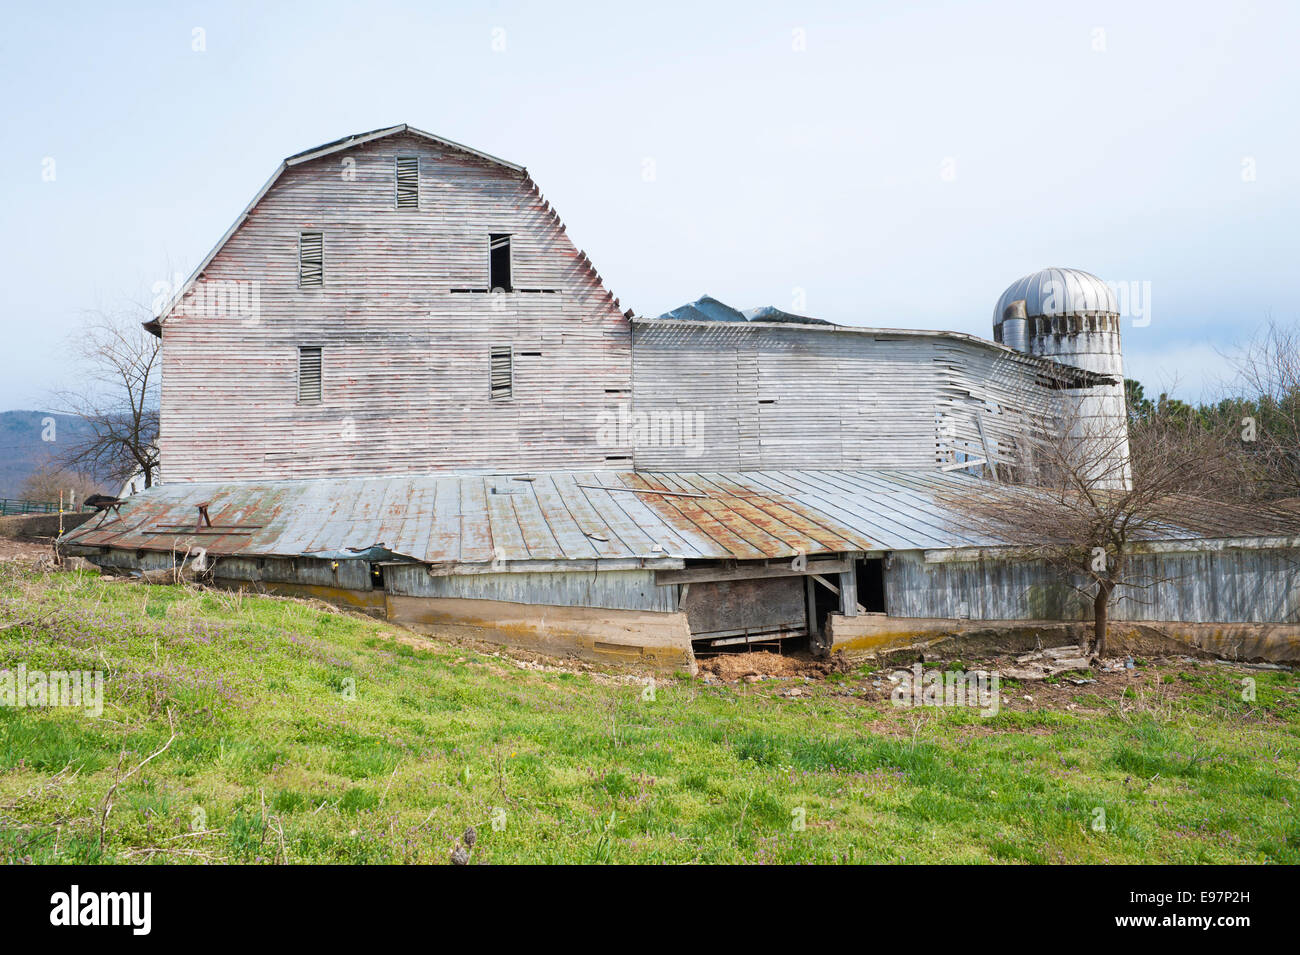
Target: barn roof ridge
{"points": [[154, 325]]}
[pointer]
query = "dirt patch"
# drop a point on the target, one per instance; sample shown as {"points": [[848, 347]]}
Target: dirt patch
{"points": [[750, 667], [26, 551]]}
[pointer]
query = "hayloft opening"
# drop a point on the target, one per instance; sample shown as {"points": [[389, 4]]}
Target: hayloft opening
{"points": [[499, 262]]}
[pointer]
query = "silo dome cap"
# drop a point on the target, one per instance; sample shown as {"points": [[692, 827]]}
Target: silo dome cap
{"points": [[1052, 292]]}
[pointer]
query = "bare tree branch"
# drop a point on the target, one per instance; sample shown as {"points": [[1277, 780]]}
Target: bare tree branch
{"points": [[1095, 493], [117, 396]]}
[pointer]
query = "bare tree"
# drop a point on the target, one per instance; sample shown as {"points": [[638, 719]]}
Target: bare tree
{"points": [[1266, 411], [48, 484], [1092, 494], [117, 396]]}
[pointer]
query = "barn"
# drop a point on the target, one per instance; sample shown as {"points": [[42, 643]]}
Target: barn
{"points": [[396, 383]]}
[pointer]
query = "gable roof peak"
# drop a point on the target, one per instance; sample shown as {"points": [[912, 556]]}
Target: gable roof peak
{"points": [[154, 326], [356, 139]]}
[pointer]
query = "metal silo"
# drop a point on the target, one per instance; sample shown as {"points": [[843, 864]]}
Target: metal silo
{"points": [[1071, 317]]}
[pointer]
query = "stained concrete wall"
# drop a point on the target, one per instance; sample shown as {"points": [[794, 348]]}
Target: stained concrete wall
{"points": [[877, 634], [41, 525], [660, 641]]}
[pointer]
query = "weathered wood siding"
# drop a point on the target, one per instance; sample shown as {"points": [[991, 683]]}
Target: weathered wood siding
{"points": [[405, 359], [1215, 586], [764, 397], [613, 590]]}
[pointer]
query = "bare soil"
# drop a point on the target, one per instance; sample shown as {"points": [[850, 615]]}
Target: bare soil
{"points": [[25, 551], [750, 667]]}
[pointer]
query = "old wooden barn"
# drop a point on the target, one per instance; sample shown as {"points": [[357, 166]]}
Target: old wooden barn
{"points": [[396, 383]]}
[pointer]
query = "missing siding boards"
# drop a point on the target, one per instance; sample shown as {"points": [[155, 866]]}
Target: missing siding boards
{"points": [[501, 372], [309, 375], [499, 262]]}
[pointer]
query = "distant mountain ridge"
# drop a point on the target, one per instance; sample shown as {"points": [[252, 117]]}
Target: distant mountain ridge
{"points": [[22, 448]]}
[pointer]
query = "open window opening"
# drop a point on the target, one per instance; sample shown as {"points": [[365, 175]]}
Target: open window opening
{"points": [[499, 279]]}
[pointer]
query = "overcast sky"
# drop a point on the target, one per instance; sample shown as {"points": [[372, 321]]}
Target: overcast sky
{"points": [[887, 164]]}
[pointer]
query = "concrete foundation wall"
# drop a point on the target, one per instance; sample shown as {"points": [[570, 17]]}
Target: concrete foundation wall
{"points": [[42, 525], [661, 641], [876, 634]]}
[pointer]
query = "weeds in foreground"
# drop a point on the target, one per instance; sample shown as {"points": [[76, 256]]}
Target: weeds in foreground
{"points": [[244, 728]]}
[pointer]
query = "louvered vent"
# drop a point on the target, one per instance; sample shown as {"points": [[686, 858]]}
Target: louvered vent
{"points": [[309, 374], [408, 182], [311, 259], [502, 372]]}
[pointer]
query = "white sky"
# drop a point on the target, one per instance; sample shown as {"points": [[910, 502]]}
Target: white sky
{"points": [[903, 169]]}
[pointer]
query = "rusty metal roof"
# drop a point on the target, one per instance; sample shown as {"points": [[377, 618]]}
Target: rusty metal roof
{"points": [[555, 515]]}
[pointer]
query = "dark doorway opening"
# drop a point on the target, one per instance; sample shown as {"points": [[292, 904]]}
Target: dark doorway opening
{"points": [[377, 576], [871, 584], [822, 601]]}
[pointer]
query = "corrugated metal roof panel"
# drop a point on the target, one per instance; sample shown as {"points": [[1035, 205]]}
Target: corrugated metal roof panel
{"points": [[549, 516], [568, 515]]}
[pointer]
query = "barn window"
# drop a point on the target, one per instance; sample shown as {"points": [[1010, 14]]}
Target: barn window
{"points": [[502, 371], [408, 182], [499, 262], [309, 375], [311, 259]]}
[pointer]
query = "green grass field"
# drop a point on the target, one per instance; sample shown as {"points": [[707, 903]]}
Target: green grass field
{"points": [[313, 736]]}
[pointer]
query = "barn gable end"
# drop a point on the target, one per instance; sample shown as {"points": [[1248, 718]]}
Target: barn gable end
{"points": [[404, 321]]}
